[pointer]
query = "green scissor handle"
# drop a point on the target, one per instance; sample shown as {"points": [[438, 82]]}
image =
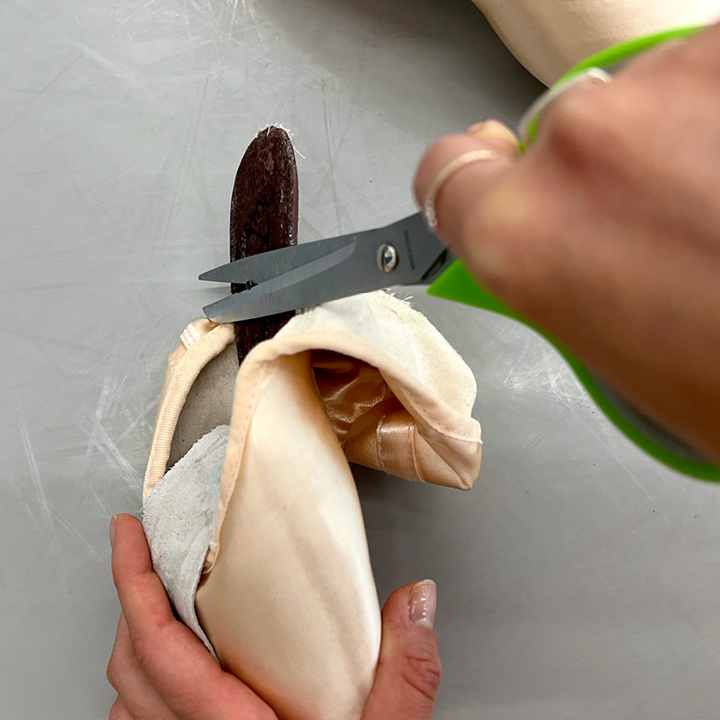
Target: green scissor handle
{"points": [[459, 285]]}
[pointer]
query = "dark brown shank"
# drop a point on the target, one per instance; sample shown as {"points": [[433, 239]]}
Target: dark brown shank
{"points": [[263, 217]]}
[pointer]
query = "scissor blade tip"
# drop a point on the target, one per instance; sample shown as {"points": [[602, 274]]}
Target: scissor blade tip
{"points": [[209, 312], [223, 311]]}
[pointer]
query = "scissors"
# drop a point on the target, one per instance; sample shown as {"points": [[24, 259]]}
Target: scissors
{"points": [[408, 253]]}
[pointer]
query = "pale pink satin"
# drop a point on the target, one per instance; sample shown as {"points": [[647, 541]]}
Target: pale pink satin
{"points": [[288, 599], [550, 36]]}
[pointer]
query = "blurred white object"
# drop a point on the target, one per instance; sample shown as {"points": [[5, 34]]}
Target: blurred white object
{"points": [[550, 36]]}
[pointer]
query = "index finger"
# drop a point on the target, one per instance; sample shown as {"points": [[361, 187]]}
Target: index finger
{"points": [[144, 602], [174, 660], [462, 191]]}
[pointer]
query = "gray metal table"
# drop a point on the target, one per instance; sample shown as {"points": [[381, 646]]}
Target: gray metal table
{"points": [[577, 580]]}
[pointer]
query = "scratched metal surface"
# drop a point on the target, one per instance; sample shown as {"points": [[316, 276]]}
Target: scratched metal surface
{"points": [[577, 580]]}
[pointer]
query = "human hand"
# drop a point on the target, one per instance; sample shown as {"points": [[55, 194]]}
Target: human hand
{"points": [[607, 232], [161, 670]]}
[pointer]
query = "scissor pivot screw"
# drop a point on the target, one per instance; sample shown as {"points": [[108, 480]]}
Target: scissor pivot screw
{"points": [[387, 257]]}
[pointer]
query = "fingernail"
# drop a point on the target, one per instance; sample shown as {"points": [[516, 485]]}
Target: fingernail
{"points": [[113, 523], [492, 130], [423, 603]]}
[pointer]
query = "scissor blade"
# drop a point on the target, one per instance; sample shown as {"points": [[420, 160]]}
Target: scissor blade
{"points": [[348, 270], [298, 288], [258, 268]]}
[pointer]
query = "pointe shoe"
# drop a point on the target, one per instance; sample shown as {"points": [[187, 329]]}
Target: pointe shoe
{"points": [[250, 508], [551, 36], [257, 531]]}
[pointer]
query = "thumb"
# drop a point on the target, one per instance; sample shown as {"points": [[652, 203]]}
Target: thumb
{"points": [[457, 199], [409, 670]]}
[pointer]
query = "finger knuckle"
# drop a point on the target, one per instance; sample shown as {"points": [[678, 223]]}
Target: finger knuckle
{"points": [[441, 146], [425, 171], [143, 648], [443, 151], [589, 129], [422, 670], [592, 132], [692, 57], [148, 646], [113, 671], [569, 126]]}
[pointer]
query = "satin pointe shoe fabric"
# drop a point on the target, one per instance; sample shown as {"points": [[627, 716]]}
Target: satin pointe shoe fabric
{"points": [[551, 36], [250, 507]]}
